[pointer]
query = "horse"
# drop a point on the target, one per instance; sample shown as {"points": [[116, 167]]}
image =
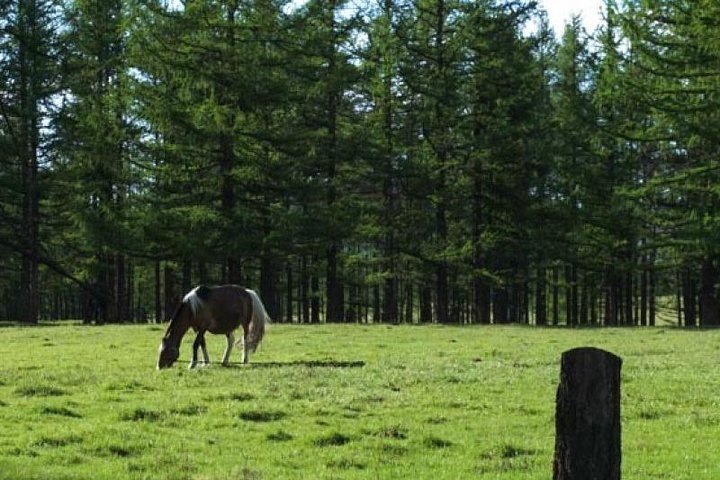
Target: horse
{"points": [[219, 310]]}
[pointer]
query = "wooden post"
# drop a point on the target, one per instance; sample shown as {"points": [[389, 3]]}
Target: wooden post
{"points": [[587, 419]]}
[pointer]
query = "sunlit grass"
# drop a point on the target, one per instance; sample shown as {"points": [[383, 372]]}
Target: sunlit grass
{"points": [[342, 401]]}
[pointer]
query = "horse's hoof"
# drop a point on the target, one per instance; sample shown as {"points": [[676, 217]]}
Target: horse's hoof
{"points": [[191, 366]]}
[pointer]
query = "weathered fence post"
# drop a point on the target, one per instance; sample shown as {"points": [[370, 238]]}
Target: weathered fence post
{"points": [[587, 417]]}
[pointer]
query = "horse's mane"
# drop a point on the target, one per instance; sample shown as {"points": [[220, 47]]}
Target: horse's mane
{"points": [[176, 314], [193, 300]]}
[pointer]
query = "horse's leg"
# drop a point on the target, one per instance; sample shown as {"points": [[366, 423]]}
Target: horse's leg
{"points": [[204, 351], [199, 340], [228, 349], [246, 351]]}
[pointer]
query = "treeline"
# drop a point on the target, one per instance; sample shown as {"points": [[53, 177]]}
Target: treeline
{"points": [[384, 161]]}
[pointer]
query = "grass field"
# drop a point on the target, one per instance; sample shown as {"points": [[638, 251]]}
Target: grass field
{"points": [[343, 401]]}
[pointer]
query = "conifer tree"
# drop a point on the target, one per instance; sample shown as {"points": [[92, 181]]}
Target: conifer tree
{"points": [[676, 57], [325, 74], [504, 128], [95, 151], [28, 45], [385, 93], [431, 67]]}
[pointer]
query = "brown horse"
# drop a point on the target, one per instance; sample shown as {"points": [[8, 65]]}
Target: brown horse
{"points": [[219, 310]]}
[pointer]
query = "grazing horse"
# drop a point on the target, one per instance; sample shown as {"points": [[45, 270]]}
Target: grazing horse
{"points": [[220, 309]]}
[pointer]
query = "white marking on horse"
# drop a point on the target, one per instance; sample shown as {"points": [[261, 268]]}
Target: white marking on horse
{"points": [[193, 300], [205, 354]]}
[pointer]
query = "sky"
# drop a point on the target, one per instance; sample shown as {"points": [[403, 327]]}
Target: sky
{"points": [[559, 12]]}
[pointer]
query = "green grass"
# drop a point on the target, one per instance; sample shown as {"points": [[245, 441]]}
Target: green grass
{"points": [[337, 402]]}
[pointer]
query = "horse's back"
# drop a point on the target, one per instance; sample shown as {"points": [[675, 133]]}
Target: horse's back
{"points": [[229, 306]]}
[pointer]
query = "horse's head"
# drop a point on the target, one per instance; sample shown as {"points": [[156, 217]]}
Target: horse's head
{"points": [[168, 354], [170, 344]]}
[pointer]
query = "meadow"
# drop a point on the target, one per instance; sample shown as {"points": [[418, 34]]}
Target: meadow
{"points": [[343, 402]]}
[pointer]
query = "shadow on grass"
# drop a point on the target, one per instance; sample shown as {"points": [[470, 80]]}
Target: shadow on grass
{"points": [[6, 324], [262, 416], [295, 363], [309, 363]]}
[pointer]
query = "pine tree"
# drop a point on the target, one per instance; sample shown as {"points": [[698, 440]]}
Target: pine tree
{"points": [[431, 70], [325, 73], [676, 56], [506, 98], [94, 131], [619, 222], [386, 95], [28, 41]]}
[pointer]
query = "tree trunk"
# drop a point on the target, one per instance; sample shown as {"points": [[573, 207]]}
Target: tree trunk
{"points": [[540, 298], [130, 289], [109, 310], [611, 300], [574, 287], [315, 293], [333, 294], [584, 301], [629, 299], [172, 298], [556, 295], [644, 296], [376, 316], [679, 288], [525, 298], [353, 308], [268, 288], [304, 290], [333, 289], [390, 300], [442, 153], [481, 290], [228, 197], [568, 296], [120, 288], [409, 303], [289, 293], [481, 301], [426, 305], [28, 142], [651, 298], [228, 203], [710, 305], [365, 298], [689, 298], [441, 294], [158, 294], [500, 302]]}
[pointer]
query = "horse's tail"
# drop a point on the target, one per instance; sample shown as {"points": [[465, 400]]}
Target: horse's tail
{"points": [[258, 321]]}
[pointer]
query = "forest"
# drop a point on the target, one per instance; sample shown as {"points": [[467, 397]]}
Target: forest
{"points": [[399, 161]]}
